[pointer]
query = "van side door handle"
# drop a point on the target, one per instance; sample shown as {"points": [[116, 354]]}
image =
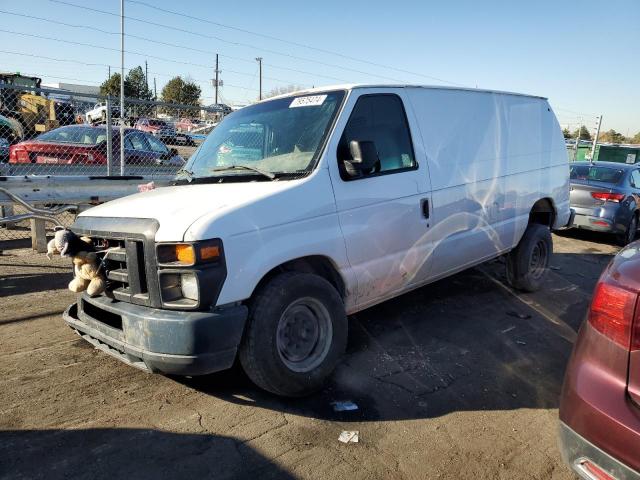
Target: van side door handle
{"points": [[425, 207]]}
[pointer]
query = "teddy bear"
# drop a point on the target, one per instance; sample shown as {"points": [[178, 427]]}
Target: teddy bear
{"points": [[88, 274]]}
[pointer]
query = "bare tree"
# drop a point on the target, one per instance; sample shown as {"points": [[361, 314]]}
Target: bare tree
{"points": [[274, 92]]}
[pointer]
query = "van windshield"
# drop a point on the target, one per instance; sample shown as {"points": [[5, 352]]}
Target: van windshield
{"points": [[279, 137]]}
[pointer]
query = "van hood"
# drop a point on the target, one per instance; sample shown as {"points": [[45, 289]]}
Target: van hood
{"points": [[178, 207]]}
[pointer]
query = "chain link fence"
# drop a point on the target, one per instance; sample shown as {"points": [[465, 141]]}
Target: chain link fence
{"points": [[59, 132]]}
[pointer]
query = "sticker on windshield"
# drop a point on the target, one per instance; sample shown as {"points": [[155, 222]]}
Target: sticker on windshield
{"points": [[311, 101]]}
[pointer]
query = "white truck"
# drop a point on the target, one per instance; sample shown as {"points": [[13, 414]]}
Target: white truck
{"points": [[302, 209], [98, 114]]}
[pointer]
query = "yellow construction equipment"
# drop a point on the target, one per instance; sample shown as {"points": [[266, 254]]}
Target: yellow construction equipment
{"points": [[20, 98]]}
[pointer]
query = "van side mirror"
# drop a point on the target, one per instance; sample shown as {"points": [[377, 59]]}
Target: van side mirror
{"points": [[364, 158]]}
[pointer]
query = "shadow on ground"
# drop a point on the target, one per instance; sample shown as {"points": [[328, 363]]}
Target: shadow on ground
{"points": [[37, 282], [465, 343], [588, 236], [129, 453]]}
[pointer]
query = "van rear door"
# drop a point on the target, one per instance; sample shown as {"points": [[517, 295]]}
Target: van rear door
{"points": [[384, 213]]}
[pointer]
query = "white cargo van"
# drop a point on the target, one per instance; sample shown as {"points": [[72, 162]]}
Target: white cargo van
{"points": [[300, 210]]}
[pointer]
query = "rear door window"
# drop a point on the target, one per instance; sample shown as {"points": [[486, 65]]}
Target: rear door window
{"points": [[156, 145], [135, 141]]}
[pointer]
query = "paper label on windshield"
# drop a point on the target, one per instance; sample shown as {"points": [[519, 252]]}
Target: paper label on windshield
{"points": [[311, 101]]}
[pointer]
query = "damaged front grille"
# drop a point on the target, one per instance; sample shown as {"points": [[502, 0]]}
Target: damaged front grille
{"points": [[126, 247], [123, 263]]}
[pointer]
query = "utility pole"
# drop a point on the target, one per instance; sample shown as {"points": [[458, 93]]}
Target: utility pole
{"points": [[259, 60], [122, 114], [155, 94], [595, 139], [109, 72], [575, 158], [217, 80], [146, 74]]}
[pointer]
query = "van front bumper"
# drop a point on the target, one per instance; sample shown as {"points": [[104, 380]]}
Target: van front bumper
{"points": [[160, 341], [578, 452]]}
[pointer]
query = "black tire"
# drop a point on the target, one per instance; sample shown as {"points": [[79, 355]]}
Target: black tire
{"points": [[282, 314], [630, 233], [528, 263]]}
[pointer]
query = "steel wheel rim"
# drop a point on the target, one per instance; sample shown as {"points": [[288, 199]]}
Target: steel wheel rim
{"points": [[304, 334], [538, 259]]}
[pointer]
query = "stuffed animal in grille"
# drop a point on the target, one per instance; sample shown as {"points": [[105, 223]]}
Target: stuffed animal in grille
{"points": [[88, 274]]}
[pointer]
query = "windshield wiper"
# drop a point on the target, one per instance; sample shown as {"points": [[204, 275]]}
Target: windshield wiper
{"points": [[269, 175]]}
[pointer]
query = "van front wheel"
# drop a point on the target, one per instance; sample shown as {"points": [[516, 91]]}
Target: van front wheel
{"points": [[295, 335], [528, 263]]}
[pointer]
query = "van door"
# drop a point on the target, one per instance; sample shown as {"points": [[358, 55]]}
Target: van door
{"points": [[384, 213]]}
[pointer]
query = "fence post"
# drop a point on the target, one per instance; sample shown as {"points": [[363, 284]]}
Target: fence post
{"points": [[7, 211], [38, 235], [109, 138]]}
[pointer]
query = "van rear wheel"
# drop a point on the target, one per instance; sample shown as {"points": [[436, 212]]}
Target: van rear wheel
{"points": [[295, 336], [528, 263]]}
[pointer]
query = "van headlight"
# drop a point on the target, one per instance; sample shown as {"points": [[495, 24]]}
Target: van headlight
{"points": [[189, 286], [179, 288], [190, 274]]}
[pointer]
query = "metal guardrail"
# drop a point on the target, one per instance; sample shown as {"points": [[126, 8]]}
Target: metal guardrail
{"points": [[74, 189], [44, 198]]}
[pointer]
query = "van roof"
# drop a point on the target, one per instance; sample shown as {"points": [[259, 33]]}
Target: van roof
{"points": [[354, 86]]}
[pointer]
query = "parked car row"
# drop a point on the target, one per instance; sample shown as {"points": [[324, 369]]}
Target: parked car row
{"points": [[83, 144]]}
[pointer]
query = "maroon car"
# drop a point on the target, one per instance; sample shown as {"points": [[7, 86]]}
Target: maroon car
{"points": [[87, 145], [600, 403]]}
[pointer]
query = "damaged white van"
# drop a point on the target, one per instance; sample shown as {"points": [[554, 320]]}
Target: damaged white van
{"points": [[300, 210]]}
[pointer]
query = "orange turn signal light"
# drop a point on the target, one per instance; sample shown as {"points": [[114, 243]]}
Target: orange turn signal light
{"points": [[209, 252], [185, 254]]}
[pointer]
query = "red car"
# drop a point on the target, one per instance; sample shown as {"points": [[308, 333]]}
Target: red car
{"points": [[163, 130], [187, 124], [87, 145], [600, 403]]}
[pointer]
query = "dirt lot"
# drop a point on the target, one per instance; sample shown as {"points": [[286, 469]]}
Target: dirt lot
{"points": [[459, 379]]}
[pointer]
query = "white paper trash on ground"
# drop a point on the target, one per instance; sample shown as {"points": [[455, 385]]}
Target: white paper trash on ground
{"points": [[349, 437]]}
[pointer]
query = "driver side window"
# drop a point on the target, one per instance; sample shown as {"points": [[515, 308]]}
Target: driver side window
{"points": [[380, 119]]}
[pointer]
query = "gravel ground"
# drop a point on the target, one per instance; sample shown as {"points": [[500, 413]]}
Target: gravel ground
{"points": [[459, 379]]}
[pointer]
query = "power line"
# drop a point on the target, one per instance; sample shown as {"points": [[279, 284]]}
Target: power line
{"points": [[577, 113], [142, 54], [160, 42], [127, 68], [236, 43], [297, 44]]}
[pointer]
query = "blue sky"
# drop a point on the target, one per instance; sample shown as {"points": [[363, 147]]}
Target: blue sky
{"points": [[584, 56]]}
